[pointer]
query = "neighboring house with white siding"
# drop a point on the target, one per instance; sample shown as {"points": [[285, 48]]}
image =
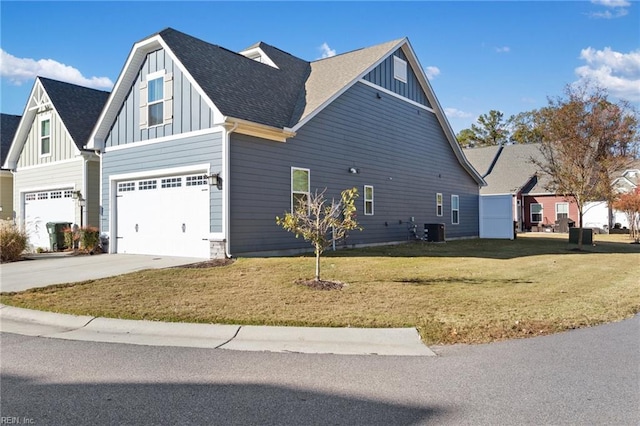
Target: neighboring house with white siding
{"points": [[55, 178], [203, 147], [8, 126]]}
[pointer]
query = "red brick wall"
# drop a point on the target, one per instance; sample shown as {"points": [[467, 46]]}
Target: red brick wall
{"points": [[549, 209]]}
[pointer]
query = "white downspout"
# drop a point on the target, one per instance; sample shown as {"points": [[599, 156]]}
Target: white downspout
{"points": [[85, 189], [226, 200]]}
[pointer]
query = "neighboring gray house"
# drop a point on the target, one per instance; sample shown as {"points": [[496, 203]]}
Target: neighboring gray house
{"points": [[202, 148], [8, 126], [55, 178]]}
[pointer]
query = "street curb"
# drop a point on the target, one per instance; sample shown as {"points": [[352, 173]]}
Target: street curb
{"points": [[317, 340]]}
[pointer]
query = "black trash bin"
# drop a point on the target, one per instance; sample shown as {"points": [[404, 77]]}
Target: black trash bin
{"points": [[587, 235], [434, 232], [56, 235]]}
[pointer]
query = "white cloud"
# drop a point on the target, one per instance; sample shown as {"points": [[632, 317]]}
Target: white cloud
{"points": [[618, 9], [456, 113], [21, 70], [327, 52], [432, 72], [617, 72], [612, 3], [503, 49]]}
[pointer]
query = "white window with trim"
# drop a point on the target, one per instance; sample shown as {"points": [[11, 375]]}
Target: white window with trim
{"points": [[156, 99], [45, 135], [300, 179], [536, 212], [455, 209], [368, 200], [562, 211], [399, 69], [439, 204]]}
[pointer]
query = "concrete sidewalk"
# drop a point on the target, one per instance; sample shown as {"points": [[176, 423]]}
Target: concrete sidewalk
{"points": [[343, 341]]}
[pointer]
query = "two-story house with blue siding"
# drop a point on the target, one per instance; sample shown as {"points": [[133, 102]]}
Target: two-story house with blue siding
{"points": [[203, 147]]}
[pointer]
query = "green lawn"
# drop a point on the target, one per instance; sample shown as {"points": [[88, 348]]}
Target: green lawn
{"points": [[467, 291]]}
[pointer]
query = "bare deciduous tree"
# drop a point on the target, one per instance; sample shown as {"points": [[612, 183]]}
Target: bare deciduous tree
{"points": [[322, 223]]}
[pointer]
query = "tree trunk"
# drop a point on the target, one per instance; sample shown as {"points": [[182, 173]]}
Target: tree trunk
{"points": [[580, 227], [317, 264]]}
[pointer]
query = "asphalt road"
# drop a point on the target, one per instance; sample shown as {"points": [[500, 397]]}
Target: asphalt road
{"points": [[583, 377]]}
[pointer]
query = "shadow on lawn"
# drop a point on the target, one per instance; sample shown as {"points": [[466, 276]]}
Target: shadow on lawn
{"points": [[489, 248]]}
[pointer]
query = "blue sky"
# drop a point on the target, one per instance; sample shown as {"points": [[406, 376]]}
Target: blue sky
{"points": [[504, 55]]}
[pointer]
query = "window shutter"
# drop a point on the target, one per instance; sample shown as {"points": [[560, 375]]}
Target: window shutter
{"points": [[143, 104], [168, 98]]}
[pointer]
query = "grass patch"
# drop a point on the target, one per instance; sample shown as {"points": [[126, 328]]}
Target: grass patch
{"points": [[469, 291]]}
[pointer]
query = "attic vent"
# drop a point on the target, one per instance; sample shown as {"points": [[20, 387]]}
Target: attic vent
{"points": [[399, 69], [256, 57]]}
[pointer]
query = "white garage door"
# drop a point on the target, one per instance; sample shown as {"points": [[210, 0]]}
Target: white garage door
{"points": [[43, 207], [163, 216]]}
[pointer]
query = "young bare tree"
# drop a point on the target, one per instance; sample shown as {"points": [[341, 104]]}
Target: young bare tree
{"points": [[322, 223], [629, 203], [586, 139]]}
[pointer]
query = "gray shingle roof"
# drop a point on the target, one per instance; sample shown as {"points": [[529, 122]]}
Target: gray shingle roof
{"points": [[8, 126], [330, 75], [78, 107], [280, 97], [241, 87], [513, 170]]}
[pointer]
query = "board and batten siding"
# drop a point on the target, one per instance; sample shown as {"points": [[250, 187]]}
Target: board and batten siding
{"points": [[6, 195], [93, 193], [62, 175], [190, 111], [382, 75], [61, 143], [154, 157], [398, 148]]}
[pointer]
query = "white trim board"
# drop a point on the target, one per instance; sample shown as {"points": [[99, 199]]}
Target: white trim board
{"points": [[211, 130]]}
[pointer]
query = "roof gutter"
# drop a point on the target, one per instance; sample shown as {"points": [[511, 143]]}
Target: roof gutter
{"points": [[251, 128]]}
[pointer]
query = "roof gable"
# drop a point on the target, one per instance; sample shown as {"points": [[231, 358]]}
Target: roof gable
{"points": [[508, 169], [77, 107], [278, 99], [8, 126]]}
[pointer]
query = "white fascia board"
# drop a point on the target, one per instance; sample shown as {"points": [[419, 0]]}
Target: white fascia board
{"points": [[442, 118], [129, 73], [195, 168], [77, 159], [259, 130], [395, 95], [207, 131], [26, 124], [20, 138], [347, 86]]}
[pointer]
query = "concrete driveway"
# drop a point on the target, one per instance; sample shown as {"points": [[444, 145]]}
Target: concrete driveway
{"points": [[47, 270]]}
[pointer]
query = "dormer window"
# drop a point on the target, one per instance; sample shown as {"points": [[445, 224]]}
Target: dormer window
{"points": [[156, 99], [399, 69]]}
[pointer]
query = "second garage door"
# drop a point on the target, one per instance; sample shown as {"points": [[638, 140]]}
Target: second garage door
{"points": [[46, 206], [163, 216]]}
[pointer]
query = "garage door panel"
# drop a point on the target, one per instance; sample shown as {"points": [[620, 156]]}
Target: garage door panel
{"points": [[46, 206], [164, 216]]}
